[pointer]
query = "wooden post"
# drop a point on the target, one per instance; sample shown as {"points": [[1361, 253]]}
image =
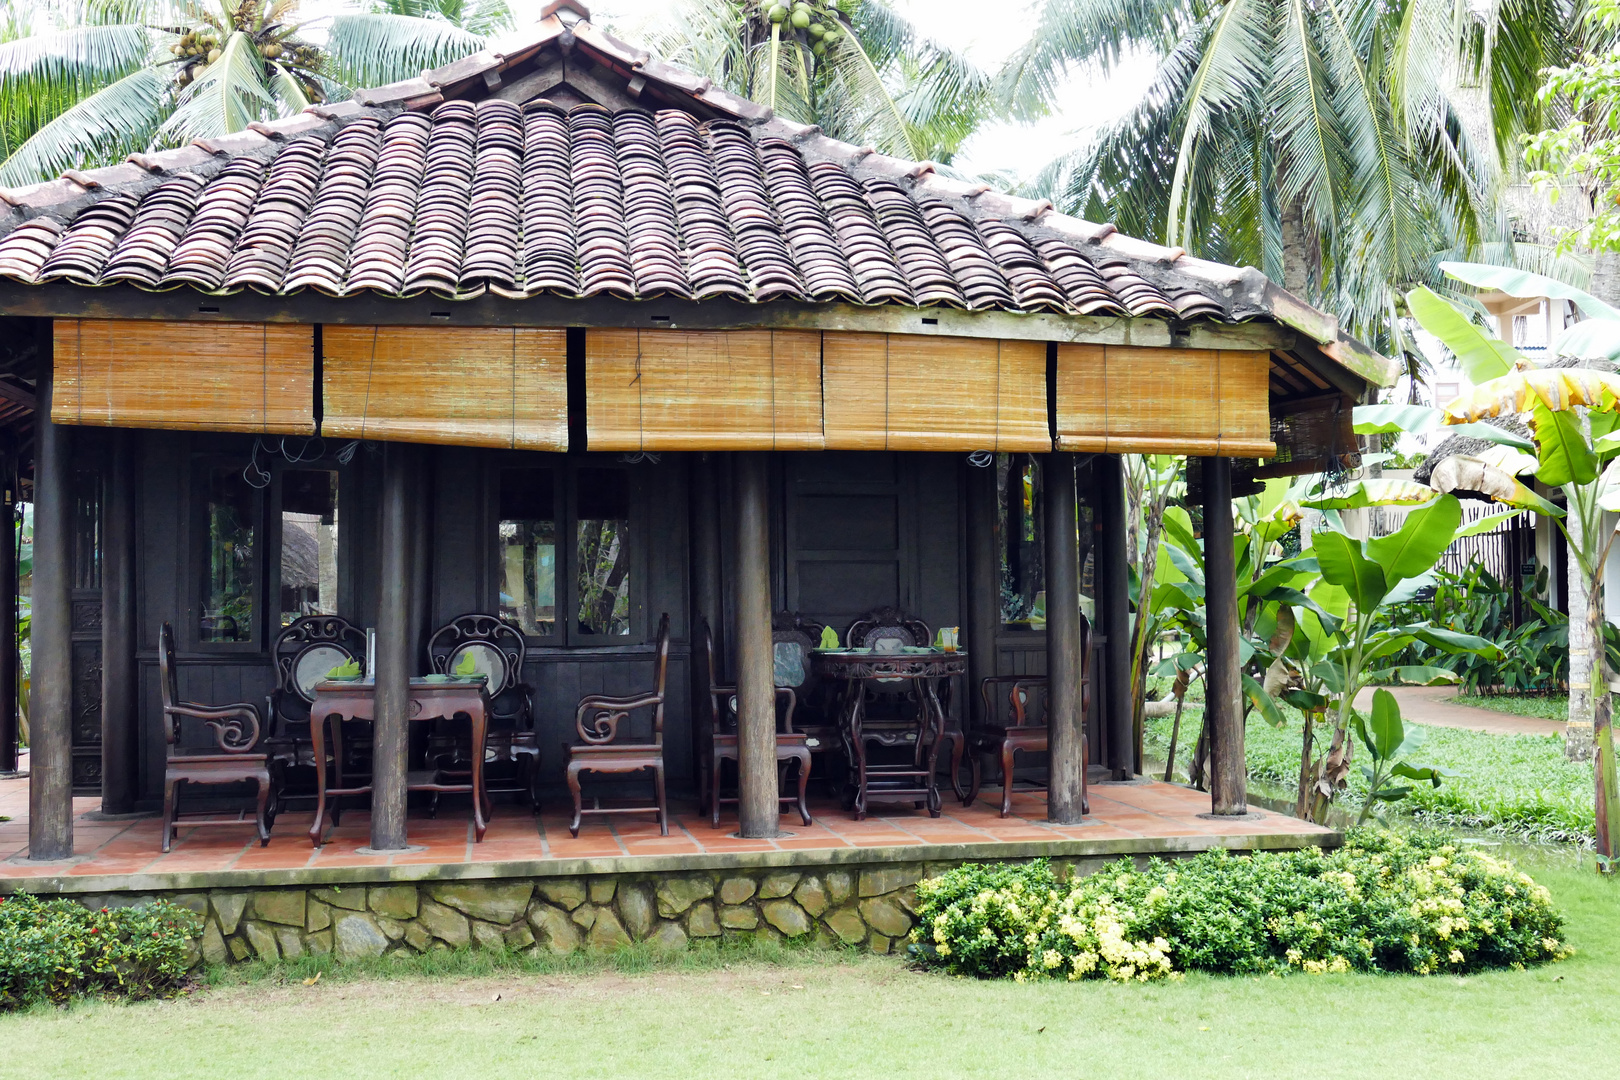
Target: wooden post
{"points": [[984, 584], [1114, 600], [1066, 770], [50, 751], [757, 806], [8, 610], [390, 737], [1228, 785], [119, 710]]}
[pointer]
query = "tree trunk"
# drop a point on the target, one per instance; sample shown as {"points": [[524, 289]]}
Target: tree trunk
{"points": [[1601, 747], [1295, 250], [1585, 643]]}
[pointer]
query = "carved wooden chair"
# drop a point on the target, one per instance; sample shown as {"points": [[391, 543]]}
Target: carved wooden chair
{"points": [[888, 629], [303, 652], [597, 722], [720, 732], [498, 650], [793, 639], [1017, 700], [236, 755]]}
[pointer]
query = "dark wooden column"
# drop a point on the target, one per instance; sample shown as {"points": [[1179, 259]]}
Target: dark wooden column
{"points": [[757, 806], [1114, 600], [50, 752], [984, 583], [8, 610], [118, 683], [390, 736], [1228, 787], [1066, 785]]}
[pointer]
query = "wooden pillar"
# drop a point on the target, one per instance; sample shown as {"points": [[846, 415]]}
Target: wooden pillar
{"points": [[757, 806], [119, 710], [1114, 600], [390, 737], [984, 583], [1066, 770], [1228, 786], [8, 610], [50, 752]]}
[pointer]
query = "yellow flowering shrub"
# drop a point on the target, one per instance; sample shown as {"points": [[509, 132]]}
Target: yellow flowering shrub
{"points": [[1418, 904]]}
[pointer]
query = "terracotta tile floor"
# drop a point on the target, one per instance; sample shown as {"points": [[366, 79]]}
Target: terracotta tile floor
{"points": [[1118, 812]]}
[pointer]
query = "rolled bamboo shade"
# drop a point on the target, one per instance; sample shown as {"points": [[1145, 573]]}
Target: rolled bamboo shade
{"points": [[469, 386], [190, 376], [1128, 400], [907, 392], [703, 390]]}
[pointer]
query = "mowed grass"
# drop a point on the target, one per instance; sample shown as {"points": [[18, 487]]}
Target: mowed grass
{"points": [[1515, 785], [814, 1015], [1540, 706]]}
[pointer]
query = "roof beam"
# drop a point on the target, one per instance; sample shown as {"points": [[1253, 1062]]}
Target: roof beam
{"points": [[64, 301]]}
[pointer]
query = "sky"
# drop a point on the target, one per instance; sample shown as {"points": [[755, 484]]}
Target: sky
{"points": [[1087, 100]]}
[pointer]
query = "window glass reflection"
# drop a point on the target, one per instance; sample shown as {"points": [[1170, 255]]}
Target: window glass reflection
{"points": [[528, 550], [602, 551], [309, 536]]}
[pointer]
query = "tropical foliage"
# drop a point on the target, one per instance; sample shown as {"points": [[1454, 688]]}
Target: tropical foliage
{"points": [[1418, 905], [94, 80], [1586, 147], [1321, 142], [854, 67]]}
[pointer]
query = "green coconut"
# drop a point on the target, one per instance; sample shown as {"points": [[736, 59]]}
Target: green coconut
{"points": [[214, 54], [777, 13], [801, 18]]}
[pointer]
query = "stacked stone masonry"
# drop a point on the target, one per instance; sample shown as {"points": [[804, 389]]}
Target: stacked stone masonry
{"points": [[870, 907]]}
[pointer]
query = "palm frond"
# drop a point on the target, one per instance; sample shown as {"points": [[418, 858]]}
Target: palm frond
{"points": [[875, 115], [118, 120], [372, 49], [229, 95]]}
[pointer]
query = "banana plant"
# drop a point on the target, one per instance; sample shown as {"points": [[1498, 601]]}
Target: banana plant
{"points": [[1361, 581], [1388, 743], [1574, 420]]}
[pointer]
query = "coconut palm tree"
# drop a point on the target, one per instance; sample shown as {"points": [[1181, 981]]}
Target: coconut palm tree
{"points": [[399, 39], [89, 81], [1321, 140], [855, 67]]}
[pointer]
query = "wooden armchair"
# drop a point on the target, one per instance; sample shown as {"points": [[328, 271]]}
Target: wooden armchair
{"points": [[235, 756], [304, 651], [1018, 732], [720, 732], [498, 650], [597, 722], [891, 630]]}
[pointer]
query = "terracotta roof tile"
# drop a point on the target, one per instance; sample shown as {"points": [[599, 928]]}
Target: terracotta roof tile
{"points": [[580, 202]]}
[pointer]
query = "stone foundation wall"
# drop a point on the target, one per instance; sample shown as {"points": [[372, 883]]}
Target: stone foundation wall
{"points": [[869, 907]]}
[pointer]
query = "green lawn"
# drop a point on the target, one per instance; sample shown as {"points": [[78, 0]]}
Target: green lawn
{"points": [[1516, 785], [1540, 706], [817, 1016]]}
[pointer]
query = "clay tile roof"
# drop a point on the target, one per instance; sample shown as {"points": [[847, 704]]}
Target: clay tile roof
{"points": [[441, 186]]}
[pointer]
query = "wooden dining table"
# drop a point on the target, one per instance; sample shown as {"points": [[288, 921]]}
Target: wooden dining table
{"points": [[337, 700], [856, 669]]}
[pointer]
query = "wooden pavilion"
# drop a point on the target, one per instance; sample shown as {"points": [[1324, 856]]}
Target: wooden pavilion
{"points": [[566, 334]]}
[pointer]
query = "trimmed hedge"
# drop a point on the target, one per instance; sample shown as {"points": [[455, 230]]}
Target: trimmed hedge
{"points": [[52, 950], [1417, 904]]}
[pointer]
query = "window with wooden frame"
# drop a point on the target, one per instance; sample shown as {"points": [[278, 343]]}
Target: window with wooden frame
{"points": [[567, 560], [228, 565]]}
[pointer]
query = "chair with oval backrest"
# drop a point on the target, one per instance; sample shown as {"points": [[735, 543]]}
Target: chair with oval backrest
{"points": [[720, 730], [234, 757], [598, 721], [497, 650], [304, 652], [1016, 723], [888, 629]]}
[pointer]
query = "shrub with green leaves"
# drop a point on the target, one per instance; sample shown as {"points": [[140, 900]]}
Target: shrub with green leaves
{"points": [[1418, 904], [52, 950]]}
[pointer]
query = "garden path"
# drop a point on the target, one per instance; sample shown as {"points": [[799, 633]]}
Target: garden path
{"points": [[1429, 705]]}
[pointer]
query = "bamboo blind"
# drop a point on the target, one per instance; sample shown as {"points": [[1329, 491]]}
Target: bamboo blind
{"points": [[906, 392], [470, 386], [194, 376], [703, 390], [1128, 400]]}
